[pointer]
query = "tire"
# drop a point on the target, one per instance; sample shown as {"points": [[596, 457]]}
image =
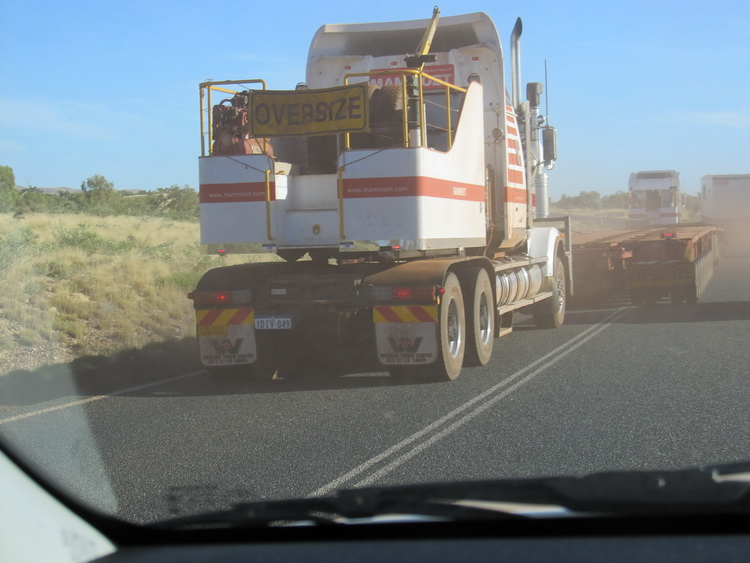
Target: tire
{"points": [[551, 313], [452, 332], [385, 119], [480, 318]]}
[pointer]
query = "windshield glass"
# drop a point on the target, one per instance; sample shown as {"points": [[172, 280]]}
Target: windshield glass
{"points": [[382, 271]]}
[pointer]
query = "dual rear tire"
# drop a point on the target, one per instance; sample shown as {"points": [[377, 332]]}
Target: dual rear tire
{"points": [[466, 327], [551, 312]]}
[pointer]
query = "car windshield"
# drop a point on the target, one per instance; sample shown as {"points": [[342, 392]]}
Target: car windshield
{"points": [[252, 255]]}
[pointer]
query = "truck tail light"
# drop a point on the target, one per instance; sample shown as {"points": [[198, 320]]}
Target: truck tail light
{"points": [[220, 298], [405, 293], [402, 293]]}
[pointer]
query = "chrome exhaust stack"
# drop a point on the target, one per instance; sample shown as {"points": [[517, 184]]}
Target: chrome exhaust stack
{"points": [[515, 59]]}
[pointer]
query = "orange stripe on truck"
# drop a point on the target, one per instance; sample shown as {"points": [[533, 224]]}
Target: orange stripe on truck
{"points": [[412, 186], [235, 193]]}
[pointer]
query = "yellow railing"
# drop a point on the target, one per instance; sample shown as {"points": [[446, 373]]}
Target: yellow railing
{"points": [[206, 106], [422, 122]]}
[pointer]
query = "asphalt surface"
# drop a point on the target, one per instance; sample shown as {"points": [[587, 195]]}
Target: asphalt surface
{"points": [[617, 387]]}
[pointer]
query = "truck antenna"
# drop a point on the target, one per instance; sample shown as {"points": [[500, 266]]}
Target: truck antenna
{"points": [[546, 92]]}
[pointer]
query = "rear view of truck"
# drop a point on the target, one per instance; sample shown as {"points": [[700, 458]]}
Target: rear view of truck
{"points": [[394, 189], [655, 197]]}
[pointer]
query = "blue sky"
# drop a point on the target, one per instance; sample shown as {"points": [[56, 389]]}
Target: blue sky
{"points": [[112, 88]]}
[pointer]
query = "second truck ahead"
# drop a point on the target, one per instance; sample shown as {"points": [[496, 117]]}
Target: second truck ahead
{"points": [[655, 197], [396, 187]]}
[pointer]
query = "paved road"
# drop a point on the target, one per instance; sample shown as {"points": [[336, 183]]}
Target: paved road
{"points": [[616, 387]]}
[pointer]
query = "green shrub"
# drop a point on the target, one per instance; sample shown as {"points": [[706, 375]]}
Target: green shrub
{"points": [[84, 238]]}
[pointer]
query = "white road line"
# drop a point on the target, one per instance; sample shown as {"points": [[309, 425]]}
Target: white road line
{"points": [[97, 398], [490, 397]]}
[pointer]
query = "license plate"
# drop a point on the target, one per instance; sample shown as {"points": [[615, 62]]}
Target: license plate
{"points": [[272, 323]]}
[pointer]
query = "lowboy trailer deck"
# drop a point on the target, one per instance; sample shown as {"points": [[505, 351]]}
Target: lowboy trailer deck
{"points": [[675, 262]]}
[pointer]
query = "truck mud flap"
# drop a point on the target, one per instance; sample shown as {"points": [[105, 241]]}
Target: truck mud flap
{"points": [[406, 335], [226, 337]]}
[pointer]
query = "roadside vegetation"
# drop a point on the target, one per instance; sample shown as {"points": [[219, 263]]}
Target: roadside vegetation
{"points": [[98, 285], [96, 272]]}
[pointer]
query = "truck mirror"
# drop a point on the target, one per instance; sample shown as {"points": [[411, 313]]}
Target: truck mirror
{"points": [[549, 145], [534, 93]]}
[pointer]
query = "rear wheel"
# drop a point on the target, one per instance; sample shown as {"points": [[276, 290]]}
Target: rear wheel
{"points": [[480, 318], [551, 313], [452, 331]]}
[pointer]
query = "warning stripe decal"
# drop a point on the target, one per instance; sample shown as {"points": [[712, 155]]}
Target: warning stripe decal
{"points": [[223, 317], [405, 314]]}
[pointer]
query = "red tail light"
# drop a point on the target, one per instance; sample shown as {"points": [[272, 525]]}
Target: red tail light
{"points": [[219, 298], [402, 293]]}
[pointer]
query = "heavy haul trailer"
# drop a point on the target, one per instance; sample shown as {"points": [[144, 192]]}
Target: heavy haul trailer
{"points": [[396, 184], [650, 264]]}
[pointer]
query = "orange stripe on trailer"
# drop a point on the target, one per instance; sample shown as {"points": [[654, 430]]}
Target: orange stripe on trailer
{"points": [[512, 131], [513, 159], [404, 314]]}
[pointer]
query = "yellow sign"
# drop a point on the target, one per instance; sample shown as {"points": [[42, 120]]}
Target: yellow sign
{"points": [[308, 112]]}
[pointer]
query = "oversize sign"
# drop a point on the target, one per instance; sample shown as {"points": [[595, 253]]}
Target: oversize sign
{"points": [[308, 112], [661, 275]]}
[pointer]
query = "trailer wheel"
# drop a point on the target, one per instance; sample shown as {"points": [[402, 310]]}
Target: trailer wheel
{"points": [[452, 331], [551, 313], [480, 317]]}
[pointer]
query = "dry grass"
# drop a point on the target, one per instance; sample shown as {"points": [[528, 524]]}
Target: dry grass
{"points": [[98, 285]]}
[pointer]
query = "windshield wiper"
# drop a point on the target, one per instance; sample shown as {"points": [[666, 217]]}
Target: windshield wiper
{"points": [[345, 507], [720, 488]]}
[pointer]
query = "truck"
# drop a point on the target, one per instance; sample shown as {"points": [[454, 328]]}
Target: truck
{"points": [[725, 201], [394, 190], [655, 197]]}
